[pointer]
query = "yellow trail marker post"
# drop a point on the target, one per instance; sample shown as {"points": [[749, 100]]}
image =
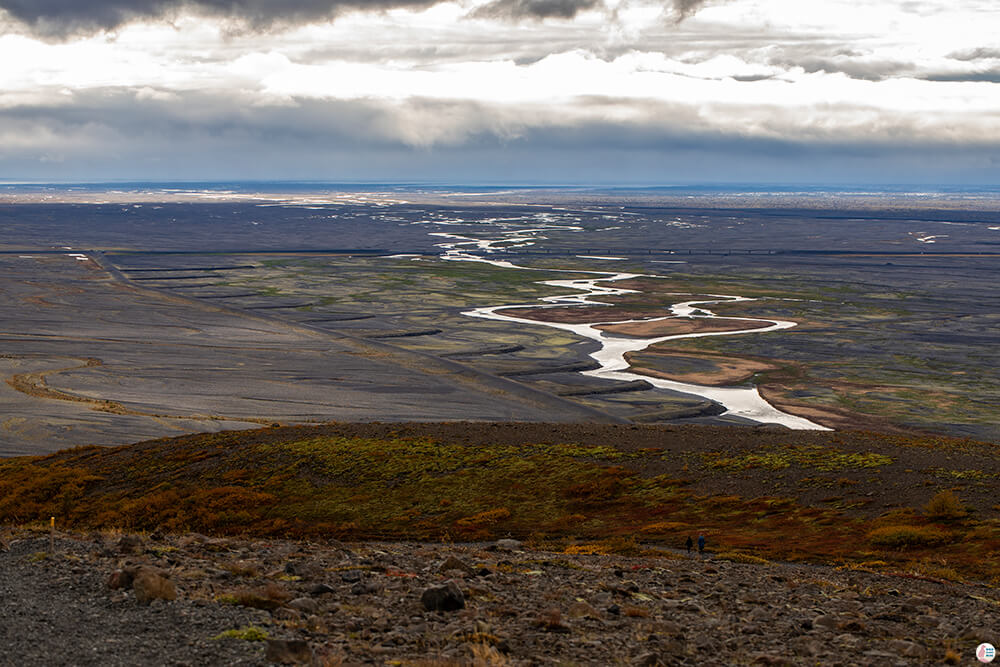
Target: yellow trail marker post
{"points": [[52, 536]]}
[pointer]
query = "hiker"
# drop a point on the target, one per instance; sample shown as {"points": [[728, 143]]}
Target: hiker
{"points": [[689, 544], [701, 546]]}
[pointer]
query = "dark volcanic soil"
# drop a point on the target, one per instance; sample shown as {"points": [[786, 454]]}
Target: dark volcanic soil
{"points": [[352, 604]]}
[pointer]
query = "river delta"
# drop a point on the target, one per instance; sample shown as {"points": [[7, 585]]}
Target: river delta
{"points": [[140, 313]]}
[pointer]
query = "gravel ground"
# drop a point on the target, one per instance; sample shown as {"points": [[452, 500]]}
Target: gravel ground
{"points": [[59, 611], [368, 604]]}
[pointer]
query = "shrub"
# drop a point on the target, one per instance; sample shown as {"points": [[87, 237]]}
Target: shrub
{"points": [[901, 537], [738, 557], [623, 546], [945, 506], [662, 527], [486, 518], [935, 570]]}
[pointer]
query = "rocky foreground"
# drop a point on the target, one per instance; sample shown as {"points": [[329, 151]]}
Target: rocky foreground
{"points": [[109, 599]]}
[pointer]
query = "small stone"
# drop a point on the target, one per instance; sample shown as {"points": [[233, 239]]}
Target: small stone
{"points": [[286, 614], [305, 605], [507, 544], [130, 544], [301, 568], [149, 584], [614, 610], [448, 597], [121, 579], [825, 622], [452, 563], [805, 646], [582, 610], [908, 649], [672, 629], [351, 576], [852, 625], [550, 620], [289, 651], [321, 589], [928, 621], [647, 660]]}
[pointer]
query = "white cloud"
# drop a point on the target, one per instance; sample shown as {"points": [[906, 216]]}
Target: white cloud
{"points": [[892, 72]]}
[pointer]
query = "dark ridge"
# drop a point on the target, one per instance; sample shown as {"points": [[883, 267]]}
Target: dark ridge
{"points": [[634, 385], [162, 278], [403, 334], [193, 268], [545, 370], [346, 318], [302, 304], [497, 349], [703, 409], [241, 295]]}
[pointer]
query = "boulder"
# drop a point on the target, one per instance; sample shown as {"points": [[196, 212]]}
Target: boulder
{"points": [[289, 652], [150, 584], [448, 597], [648, 659], [305, 605]]}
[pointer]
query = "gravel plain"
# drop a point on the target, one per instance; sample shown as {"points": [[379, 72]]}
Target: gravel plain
{"points": [[367, 603]]}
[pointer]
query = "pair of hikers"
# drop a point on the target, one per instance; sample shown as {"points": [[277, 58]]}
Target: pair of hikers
{"points": [[701, 545]]}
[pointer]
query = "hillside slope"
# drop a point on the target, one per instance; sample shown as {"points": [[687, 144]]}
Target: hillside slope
{"points": [[922, 504]]}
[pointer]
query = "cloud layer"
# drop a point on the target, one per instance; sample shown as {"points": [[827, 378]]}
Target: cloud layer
{"points": [[564, 90], [63, 17]]}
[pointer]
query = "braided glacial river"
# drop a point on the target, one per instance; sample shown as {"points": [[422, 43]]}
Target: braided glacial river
{"points": [[742, 401]]}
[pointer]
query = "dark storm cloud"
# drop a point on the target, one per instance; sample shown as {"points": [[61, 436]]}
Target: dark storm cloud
{"points": [[992, 76], [565, 9], [685, 8], [538, 9], [750, 78], [63, 17]]}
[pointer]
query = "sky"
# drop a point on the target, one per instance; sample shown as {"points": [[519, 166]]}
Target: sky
{"points": [[502, 91]]}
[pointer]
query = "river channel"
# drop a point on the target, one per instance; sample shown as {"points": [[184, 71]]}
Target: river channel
{"points": [[739, 401]]}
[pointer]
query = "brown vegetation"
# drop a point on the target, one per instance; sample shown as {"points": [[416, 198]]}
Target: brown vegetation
{"points": [[779, 496]]}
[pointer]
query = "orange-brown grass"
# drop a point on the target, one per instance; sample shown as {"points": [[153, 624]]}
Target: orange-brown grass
{"points": [[300, 482], [901, 537], [270, 596]]}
